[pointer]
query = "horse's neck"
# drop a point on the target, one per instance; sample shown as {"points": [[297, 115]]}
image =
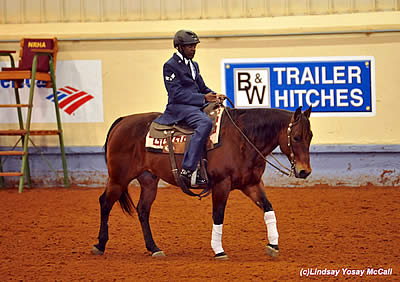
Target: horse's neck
{"points": [[272, 130], [279, 127]]}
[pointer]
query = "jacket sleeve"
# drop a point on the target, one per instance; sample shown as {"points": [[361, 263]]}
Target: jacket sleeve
{"points": [[200, 82], [177, 94]]}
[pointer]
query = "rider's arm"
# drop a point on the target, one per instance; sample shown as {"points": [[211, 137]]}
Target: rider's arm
{"points": [[178, 94]]}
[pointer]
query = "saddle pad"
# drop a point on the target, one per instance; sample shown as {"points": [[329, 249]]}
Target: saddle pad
{"points": [[160, 145]]}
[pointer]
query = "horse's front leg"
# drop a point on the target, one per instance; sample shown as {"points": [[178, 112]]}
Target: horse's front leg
{"points": [[220, 195], [257, 194]]}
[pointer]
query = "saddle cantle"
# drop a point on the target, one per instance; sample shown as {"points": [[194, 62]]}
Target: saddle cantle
{"points": [[159, 130], [180, 129]]}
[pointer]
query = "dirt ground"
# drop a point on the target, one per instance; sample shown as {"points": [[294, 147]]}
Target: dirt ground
{"points": [[46, 234]]}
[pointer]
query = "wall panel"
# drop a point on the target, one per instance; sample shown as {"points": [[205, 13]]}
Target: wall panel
{"points": [[385, 5], [134, 10], [92, 11], [235, 8], [342, 6], [255, 8], [318, 7], [40, 11], [151, 9], [112, 10], [194, 10], [363, 6], [52, 10], [33, 11], [171, 10], [297, 7], [277, 8], [12, 11], [213, 9], [72, 11]]}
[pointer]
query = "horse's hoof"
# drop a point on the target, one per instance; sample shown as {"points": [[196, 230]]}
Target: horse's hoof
{"points": [[96, 251], [221, 256], [158, 254], [272, 250]]}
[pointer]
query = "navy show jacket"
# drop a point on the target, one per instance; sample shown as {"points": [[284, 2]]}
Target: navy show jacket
{"points": [[185, 94]]}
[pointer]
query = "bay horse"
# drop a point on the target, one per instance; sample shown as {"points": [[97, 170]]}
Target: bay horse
{"points": [[235, 164]]}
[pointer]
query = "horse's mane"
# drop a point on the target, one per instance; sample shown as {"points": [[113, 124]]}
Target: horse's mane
{"points": [[261, 124]]}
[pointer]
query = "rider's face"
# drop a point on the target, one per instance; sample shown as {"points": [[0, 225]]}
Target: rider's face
{"points": [[188, 51]]}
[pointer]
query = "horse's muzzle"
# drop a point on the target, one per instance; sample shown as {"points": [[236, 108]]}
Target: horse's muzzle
{"points": [[302, 173]]}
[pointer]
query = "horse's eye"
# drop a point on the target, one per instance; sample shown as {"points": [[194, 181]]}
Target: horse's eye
{"points": [[297, 139]]}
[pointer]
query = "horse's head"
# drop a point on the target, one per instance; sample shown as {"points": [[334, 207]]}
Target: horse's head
{"points": [[295, 142]]}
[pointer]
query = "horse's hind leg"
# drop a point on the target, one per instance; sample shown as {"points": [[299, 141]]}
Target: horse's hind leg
{"points": [[148, 183], [257, 194], [106, 200]]}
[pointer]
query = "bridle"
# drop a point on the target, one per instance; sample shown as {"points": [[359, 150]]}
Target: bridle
{"points": [[288, 172], [292, 160]]}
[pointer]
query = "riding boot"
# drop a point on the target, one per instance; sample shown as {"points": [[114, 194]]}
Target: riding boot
{"points": [[186, 176]]}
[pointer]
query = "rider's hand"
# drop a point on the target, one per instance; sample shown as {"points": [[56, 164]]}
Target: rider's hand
{"points": [[211, 97], [221, 98]]}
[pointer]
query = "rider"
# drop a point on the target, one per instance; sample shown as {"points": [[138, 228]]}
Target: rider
{"points": [[187, 96]]}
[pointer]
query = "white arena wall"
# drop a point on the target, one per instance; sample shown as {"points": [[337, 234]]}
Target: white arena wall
{"points": [[352, 151]]}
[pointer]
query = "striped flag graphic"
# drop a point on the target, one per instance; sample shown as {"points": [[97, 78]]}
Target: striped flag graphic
{"points": [[70, 99]]}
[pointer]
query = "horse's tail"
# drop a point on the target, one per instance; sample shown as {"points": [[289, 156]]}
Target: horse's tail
{"points": [[126, 202], [108, 134]]}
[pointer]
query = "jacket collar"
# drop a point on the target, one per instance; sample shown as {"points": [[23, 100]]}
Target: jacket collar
{"points": [[192, 69], [186, 61]]}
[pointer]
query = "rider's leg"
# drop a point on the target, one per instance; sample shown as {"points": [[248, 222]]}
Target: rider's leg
{"points": [[202, 125]]}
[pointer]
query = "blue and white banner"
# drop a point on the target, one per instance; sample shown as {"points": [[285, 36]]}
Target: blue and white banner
{"points": [[334, 86]]}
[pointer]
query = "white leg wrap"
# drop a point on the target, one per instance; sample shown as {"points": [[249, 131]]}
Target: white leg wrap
{"points": [[270, 221], [216, 236]]}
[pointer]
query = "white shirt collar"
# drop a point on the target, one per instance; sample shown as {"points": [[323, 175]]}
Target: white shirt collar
{"points": [[184, 59], [188, 63]]}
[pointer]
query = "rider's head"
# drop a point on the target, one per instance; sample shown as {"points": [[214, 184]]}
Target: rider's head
{"points": [[185, 41]]}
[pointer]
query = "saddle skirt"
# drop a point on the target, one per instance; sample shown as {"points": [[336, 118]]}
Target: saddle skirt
{"points": [[156, 138]]}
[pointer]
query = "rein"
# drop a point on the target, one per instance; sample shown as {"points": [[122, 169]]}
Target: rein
{"points": [[292, 161]]}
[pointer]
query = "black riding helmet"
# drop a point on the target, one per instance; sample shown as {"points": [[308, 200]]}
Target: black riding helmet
{"points": [[185, 37]]}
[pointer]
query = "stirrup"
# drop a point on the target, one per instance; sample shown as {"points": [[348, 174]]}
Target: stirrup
{"points": [[178, 179], [196, 180], [193, 179]]}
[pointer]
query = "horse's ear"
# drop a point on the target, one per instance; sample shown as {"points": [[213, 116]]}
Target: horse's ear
{"points": [[296, 115], [307, 113]]}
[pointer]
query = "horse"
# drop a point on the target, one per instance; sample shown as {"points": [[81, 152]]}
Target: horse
{"points": [[247, 136]]}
